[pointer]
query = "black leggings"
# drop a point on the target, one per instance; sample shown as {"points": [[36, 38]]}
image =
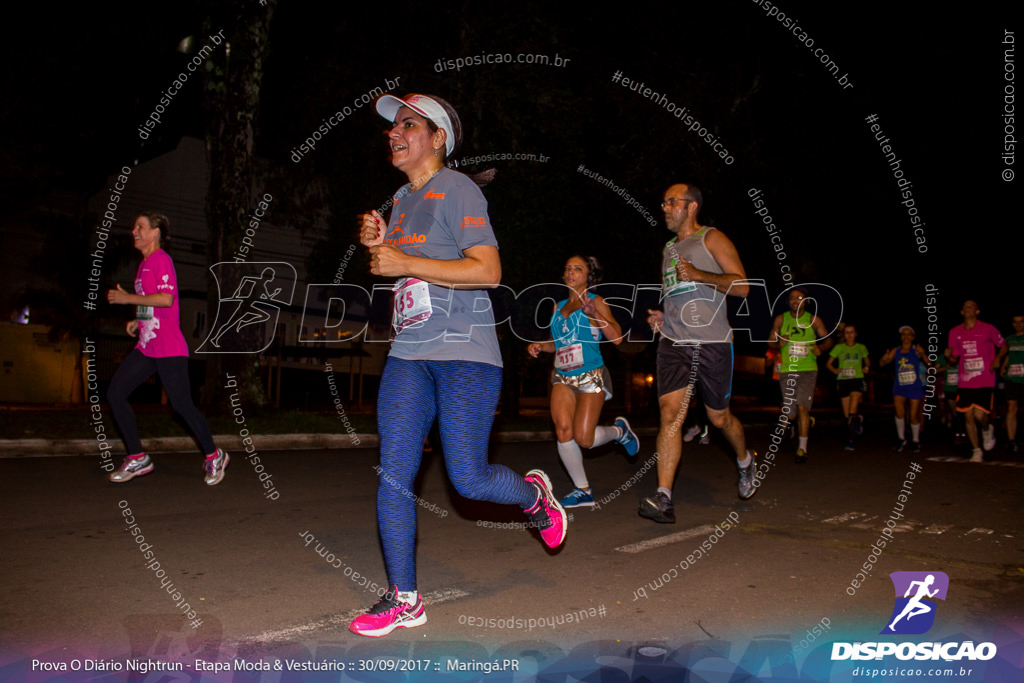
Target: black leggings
{"points": [[135, 370]]}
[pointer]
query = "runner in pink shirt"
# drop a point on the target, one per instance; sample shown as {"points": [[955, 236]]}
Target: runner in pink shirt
{"points": [[161, 349], [978, 348]]}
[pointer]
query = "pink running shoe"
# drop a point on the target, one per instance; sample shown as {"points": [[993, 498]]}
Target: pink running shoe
{"points": [[546, 514], [388, 614]]}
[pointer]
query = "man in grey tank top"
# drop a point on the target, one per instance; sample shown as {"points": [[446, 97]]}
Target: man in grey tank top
{"points": [[700, 266]]}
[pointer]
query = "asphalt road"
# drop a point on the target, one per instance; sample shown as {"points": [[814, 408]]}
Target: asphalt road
{"points": [[774, 586]]}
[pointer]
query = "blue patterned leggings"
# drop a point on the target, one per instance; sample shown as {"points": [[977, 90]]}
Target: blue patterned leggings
{"points": [[462, 395]]}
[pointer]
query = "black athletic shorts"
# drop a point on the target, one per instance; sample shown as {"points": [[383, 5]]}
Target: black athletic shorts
{"points": [[981, 398], [845, 387], [708, 366]]}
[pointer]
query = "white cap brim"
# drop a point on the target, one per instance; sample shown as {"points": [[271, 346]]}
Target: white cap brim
{"points": [[388, 106]]}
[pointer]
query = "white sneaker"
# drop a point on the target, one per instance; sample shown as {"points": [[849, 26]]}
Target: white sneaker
{"points": [[976, 455], [691, 433], [989, 438]]}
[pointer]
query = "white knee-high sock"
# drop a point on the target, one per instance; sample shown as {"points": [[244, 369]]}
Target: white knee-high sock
{"points": [[603, 435], [572, 458]]}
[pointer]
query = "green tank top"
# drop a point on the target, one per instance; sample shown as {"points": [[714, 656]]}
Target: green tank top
{"points": [[851, 360], [797, 353]]}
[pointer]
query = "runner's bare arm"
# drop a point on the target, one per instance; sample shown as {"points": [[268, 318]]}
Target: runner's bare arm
{"points": [[733, 277], [774, 340], [604, 319], [825, 342], [159, 300]]}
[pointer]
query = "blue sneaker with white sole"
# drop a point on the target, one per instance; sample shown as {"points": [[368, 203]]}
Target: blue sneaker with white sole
{"points": [[628, 438], [578, 499]]}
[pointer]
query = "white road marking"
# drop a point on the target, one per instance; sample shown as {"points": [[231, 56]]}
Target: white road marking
{"points": [[992, 463], [845, 517], [667, 540]]}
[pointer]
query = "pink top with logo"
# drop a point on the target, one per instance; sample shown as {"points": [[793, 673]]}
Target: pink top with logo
{"points": [[159, 328], [977, 349]]}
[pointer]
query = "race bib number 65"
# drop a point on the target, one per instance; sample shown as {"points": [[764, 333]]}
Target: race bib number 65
{"points": [[412, 303]]}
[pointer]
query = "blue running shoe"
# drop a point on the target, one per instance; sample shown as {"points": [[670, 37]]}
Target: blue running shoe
{"points": [[578, 499], [628, 438]]}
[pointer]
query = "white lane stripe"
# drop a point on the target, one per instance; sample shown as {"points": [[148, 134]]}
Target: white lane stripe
{"points": [[845, 517], [992, 463], [666, 540], [343, 619]]}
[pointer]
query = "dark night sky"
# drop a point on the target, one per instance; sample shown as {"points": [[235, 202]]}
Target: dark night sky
{"points": [[79, 83]]}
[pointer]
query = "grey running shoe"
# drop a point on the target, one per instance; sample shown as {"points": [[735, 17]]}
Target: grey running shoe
{"points": [[747, 484], [659, 508], [691, 433], [215, 466], [131, 468]]}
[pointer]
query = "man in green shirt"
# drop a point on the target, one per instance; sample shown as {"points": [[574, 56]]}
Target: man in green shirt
{"points": [[801, 337]]}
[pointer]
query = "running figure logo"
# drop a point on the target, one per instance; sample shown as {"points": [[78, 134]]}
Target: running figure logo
{"points": [[914, 612], [258, 292]]}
